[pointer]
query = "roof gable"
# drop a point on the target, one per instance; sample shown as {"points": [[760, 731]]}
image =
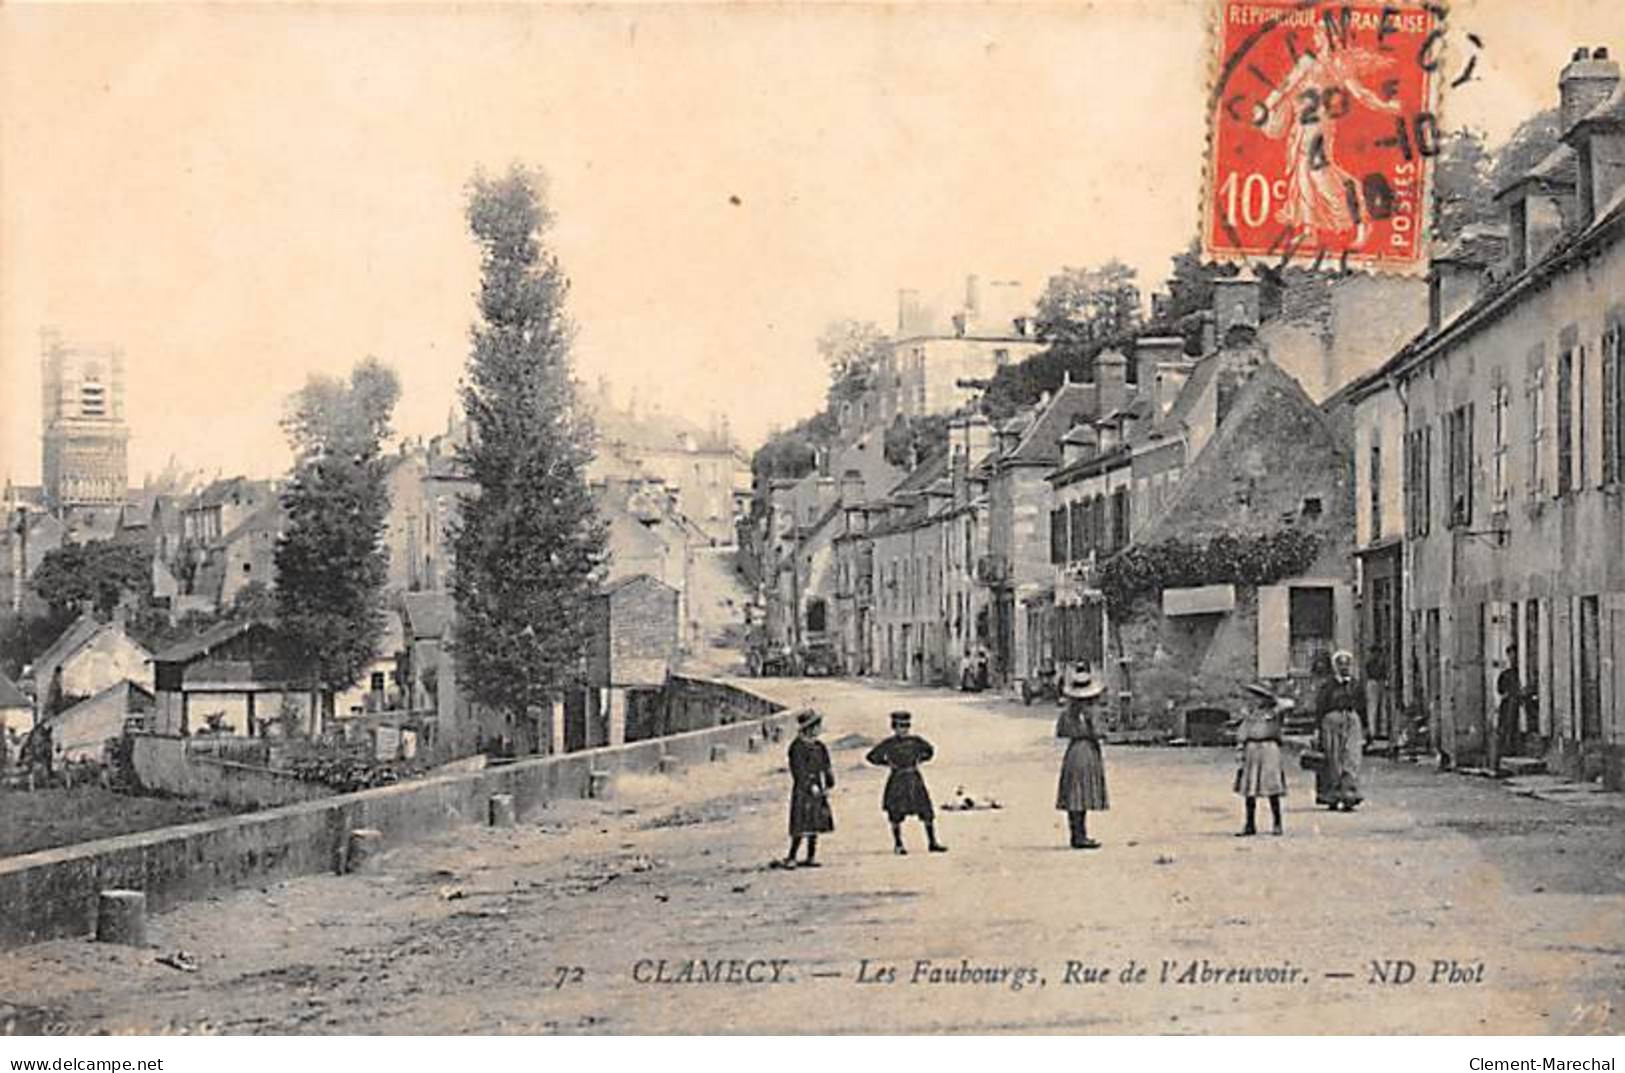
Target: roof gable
{"points": [[1216, 464]]}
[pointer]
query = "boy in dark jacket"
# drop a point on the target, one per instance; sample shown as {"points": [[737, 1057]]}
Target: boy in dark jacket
{"points": [[906, 794]]}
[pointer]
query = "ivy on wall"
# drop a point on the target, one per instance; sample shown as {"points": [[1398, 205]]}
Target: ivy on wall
{"points": [[1143, 571]]}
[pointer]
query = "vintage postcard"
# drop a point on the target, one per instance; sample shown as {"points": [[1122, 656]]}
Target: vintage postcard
{"points": [[805, 519]]}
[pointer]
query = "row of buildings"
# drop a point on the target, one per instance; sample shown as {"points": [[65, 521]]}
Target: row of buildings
{"points": [[667, 489], [1426, 472]]}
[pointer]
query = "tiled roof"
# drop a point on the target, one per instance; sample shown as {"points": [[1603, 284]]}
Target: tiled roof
{"points": [[11, 696], [203, 643], [1190, 392], [1040, 442], [429, 614], [70, 640]]}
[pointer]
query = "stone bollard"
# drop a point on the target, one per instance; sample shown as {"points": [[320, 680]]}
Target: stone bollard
{"points": [[499, 810], [719, 752], [753, 745], [362, 845], [597, 785], [121, 917], [669, 765]]}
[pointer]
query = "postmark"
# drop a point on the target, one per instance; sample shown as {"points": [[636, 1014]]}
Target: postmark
{"points": [[1322, 132]]}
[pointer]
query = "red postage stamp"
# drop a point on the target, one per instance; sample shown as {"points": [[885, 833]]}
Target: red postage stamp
{"points": [[1323, 133]]}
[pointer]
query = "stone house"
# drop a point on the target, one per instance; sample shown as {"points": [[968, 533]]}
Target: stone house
{"points": [[87, 658], [1514, 419], [630, 654], [927, 367], [82, 731], [1015, 570], [228, 538]]}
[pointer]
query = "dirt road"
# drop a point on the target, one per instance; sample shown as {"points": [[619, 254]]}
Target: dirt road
{"points": [[657, 912]]}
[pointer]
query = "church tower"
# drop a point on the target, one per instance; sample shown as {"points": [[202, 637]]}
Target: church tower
{"points": [[85, 440]]}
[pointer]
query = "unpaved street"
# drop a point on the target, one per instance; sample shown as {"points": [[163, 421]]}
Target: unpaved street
{"points": [[656, 912]]}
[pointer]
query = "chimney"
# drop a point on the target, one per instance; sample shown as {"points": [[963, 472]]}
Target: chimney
{"points": [[1534, 205], [908, 302], [1151, 351], [852, 488], [1589, 79], [1170, 381], [1210, 332], [978, 438], [1080, 442], [1456, 275], [1235, 303], [827, 494], [1597, 134], [1111, 373], [1110, 435], [973, 306]]}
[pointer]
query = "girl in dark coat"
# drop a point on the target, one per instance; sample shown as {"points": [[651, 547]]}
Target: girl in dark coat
{"points": [[811, 779], [906, 794]]}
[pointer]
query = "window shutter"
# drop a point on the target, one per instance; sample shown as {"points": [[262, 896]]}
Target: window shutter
{"points": [[1274, 644], [1469, 464], [1343, 617]]}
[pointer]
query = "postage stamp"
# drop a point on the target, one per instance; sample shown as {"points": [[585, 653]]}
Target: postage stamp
{"points": [[1322, 133]]}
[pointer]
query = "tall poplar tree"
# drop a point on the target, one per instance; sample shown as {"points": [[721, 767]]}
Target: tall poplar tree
{"points": [[529, 547], [331, 563]]}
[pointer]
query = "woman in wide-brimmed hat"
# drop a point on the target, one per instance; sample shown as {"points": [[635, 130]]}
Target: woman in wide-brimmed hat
{"points": [[1083, 772], [811, 779], [1260, 772]]}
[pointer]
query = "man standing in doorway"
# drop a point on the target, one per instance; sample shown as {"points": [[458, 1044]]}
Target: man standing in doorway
{"points": [[1509, 686]]}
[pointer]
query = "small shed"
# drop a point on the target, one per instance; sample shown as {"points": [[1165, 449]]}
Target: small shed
{"points": [[233, 677]]}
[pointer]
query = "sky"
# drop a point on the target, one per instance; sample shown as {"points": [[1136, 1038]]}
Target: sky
{"points": [[241, 197]]}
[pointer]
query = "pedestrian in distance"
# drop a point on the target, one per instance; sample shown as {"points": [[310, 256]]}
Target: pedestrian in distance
{"points": [[1340, 704], [906, 794], [811, 780], [1259, 771], [1083, 771]]}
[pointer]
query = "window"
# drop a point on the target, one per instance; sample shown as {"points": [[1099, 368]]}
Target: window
{"points": [[1537, 427], [1120, 518], [1459, 449], [1309, 626], [817, 615], [1613, 406], [1498, 459], [1419, 479], [377, 682], [1565, 421], [1374, 478], [1058, 543], [1580, 431]]}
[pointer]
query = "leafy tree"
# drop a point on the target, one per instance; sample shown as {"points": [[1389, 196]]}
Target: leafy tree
{"points": [[530, 548], [910, 441], [853, 350], [1088, 305], [1461, 183], [331, 564], [95, 576], [1467, 175], [24, 637]]}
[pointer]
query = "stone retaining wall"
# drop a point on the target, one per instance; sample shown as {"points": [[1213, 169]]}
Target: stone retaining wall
{"points": [[52, 893]]}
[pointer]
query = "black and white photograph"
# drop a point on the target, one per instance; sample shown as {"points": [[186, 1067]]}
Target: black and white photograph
{"points": [[812, 519]]}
